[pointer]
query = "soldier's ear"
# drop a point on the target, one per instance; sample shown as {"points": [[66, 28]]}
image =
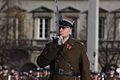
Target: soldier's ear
{"points": [[70, 31]]}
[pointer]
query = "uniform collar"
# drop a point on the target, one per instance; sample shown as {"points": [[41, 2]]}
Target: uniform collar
{"points": [[69, 41]]}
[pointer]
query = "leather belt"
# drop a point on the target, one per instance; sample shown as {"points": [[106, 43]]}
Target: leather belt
{"points": [[66, 73]]}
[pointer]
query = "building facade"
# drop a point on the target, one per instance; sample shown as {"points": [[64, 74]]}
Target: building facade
{"points": [[37, 19]]}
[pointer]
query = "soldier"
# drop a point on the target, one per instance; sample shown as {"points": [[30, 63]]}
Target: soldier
{"points": [[68, 61], [95, 76], [111, 74]]}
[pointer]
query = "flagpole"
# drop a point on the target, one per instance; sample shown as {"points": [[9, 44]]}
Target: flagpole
{"points": [[92, 36], [57, 16]]}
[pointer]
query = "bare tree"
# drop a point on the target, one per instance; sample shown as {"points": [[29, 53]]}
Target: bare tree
{"points": [[11, 32], [109, 48]]}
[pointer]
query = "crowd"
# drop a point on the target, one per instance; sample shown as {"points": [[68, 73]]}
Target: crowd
{"points": [[43, 74], [110, 75], [12, 74]]}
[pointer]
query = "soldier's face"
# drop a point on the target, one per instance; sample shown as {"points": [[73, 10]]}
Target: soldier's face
{"points": [[65, 31]]}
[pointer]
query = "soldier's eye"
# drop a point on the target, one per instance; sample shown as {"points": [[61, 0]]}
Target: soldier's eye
{"points": [[62, 27]]}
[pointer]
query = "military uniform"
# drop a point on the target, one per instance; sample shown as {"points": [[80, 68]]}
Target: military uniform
{"points": [[67, 62], [112, 78], [111, 75]]}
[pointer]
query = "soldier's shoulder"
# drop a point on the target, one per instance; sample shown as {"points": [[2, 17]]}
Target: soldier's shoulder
{"points": [[78, 42], [50, 43]]}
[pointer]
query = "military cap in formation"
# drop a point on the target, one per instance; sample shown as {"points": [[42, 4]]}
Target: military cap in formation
{"points": [[94, 73], [112, 68]]}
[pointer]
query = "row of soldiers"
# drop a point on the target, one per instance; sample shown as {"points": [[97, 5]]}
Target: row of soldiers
{"points": [[13, 74], [110, 75], [43, 74]]}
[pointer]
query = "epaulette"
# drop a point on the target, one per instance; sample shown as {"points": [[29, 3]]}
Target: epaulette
{"points": [[48, 43], [79, 42]]}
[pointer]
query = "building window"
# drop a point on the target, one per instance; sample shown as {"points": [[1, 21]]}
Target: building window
{"points": [[117, 31], [41, 16], [101, 27], [74, 29], [13, 32], [42, 28], [102, 22]]}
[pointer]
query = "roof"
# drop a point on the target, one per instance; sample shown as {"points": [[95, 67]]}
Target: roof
{"points": [[69, 9], [11, 9], [116, 11], [42, 9], [101, 10]]}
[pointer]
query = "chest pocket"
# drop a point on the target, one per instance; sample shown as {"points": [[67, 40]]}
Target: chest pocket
{"points": [[73, 55], [66, 59]]}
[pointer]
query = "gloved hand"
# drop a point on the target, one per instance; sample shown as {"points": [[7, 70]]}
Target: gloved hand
{"points": [[57, 40]]}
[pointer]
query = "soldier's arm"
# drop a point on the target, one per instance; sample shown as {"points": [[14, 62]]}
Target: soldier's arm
{"points": [[48, 54], [84, 65]]}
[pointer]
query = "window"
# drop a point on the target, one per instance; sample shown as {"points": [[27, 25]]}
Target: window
{"points": [[42, 28], [14, 25], [116, 28], [41, 16], [74, 29], [101, 27], [102, 22], [117, 31]]}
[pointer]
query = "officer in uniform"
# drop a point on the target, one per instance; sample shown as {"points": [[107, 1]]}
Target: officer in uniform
{"points": [[68, 60]]}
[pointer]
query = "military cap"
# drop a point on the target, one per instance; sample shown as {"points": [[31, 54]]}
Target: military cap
{"points": [[112, 68], [66, 23], [1, 67], [5, 67], [94, 73]]}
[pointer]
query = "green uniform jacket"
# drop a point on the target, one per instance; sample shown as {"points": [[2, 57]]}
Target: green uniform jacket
{"points": [[75, 54]]}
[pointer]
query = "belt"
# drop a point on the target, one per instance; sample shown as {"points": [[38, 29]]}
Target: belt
{"points": [[66, 73]]}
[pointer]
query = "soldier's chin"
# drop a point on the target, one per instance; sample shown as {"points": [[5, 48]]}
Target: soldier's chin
{"points": [[61, 35]]}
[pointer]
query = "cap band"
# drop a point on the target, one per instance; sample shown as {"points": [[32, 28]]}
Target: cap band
{"points": [[65, 23]]}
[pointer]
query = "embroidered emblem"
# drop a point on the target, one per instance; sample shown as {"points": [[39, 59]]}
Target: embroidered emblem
{"points": [[69, 46]]}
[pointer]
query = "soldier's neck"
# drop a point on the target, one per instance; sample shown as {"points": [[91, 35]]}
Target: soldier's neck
{"points": [[65, 39]]}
